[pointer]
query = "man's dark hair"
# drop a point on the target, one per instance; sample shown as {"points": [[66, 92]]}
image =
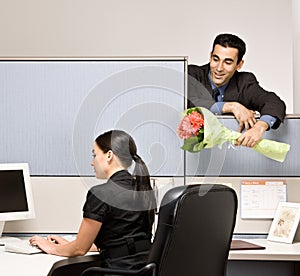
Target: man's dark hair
{"points": [[233, 41]]}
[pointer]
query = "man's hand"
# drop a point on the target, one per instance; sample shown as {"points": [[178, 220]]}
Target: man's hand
{"points": [[254, 129], [244, 116], [253, 135]]}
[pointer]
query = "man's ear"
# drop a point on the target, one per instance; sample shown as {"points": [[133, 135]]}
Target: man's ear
{"points": [[240, 65]]}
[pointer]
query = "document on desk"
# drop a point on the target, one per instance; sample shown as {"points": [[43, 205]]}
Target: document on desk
{"points": [[260, 198], [244, 245]]}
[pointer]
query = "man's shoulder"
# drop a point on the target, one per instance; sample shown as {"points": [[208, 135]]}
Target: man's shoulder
{"points": [[198, 72], [245, 76], [194, 67]]}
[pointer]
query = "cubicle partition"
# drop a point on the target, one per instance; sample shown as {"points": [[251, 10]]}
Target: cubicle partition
{"points": [[52, 109], [232, 161], [269, 181]]}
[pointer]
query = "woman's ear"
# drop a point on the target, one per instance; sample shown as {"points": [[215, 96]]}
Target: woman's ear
{"points": [[109, 155]]}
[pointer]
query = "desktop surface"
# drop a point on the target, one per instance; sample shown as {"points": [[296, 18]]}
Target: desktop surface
{"points": [[12, 264], [41, 264], [274, 251]]}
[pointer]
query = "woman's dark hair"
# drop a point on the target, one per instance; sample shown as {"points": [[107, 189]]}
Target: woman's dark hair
{"points": [[233, 41], [124, 147]]}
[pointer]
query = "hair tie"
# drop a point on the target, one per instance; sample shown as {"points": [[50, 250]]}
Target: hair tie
{"points": [[136, 157]]}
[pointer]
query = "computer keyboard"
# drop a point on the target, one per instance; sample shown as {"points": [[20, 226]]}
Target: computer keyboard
{"points": [[21, 246]]}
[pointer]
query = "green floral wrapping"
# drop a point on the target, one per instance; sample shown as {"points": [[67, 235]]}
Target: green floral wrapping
{"points": [[215, 133]]}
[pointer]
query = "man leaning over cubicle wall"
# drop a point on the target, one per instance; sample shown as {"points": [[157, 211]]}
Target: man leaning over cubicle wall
{"points": [[220, 87]]}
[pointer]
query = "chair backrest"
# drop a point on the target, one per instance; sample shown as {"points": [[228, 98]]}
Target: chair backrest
{"points": [[194, 232]]}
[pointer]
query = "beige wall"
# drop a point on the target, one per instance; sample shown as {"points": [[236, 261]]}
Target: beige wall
{"points": [[296, 54], [154, 28]]}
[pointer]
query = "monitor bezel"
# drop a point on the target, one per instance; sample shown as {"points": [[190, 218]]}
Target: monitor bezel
{"points": [[20, 215]]}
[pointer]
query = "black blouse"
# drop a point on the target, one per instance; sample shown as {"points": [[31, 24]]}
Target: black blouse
{"points": [[121, 210]]}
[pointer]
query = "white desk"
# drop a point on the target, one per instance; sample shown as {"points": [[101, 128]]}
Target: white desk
{"points": [[278, 259], [274, 252], [12, 264]]}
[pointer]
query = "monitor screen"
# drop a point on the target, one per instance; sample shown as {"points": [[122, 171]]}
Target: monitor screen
{"points": [[16, 201]]}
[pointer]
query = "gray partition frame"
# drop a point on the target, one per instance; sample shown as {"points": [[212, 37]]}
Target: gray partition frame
{"points": [[53, 108], [242, 161]]}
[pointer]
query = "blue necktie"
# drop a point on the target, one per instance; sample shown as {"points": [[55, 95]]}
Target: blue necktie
{"points": [[216, 94]]}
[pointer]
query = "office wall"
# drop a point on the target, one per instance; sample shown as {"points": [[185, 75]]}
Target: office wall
{"points": [[296, 54], [154, 28]]}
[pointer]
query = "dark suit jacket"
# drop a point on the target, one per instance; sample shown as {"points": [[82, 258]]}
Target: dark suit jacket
{"points": [[242, 87]]}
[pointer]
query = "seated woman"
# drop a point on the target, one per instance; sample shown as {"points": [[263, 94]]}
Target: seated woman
{"points": [[118, 215]]}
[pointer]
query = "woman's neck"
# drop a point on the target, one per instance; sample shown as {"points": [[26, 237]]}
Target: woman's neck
{"points": [[113, 171]]}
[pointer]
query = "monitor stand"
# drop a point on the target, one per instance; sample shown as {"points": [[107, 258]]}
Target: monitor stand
{"points": [[1, 227]]}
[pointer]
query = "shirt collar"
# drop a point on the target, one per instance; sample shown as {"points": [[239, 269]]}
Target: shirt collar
{"points": [[221, 88]]}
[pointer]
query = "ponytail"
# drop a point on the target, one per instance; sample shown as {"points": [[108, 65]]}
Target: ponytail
{"points": [[142, 183], [141, 174], [124, 147]]}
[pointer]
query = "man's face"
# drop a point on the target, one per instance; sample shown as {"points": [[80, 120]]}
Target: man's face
{"points": [[223, 64]]}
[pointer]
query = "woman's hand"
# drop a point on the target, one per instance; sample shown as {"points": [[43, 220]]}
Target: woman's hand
{"points": [[45, 244], [57, 239], [56, 245]]}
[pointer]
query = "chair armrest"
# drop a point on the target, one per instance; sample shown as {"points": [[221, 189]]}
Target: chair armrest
{"points": [[74, 265], [143, 271]]}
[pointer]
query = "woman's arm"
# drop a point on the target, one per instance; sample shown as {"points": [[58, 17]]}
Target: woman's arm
{"points": [[87, 233]]}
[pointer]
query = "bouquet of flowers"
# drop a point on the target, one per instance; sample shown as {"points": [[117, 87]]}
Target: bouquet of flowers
{"points": [[201, 129]]}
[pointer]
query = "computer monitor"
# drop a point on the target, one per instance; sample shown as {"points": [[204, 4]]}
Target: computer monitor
{"points": [[16, 200]]}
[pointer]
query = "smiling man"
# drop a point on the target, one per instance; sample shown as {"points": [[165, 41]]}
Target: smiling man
{"points": [[222, 88]]}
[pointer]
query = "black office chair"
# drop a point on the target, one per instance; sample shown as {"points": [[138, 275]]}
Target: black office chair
{"points": [[193, 236]]}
